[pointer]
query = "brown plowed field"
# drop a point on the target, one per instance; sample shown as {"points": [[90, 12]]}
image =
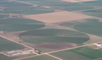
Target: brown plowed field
{"points": [[53, 45], [55, 17]]}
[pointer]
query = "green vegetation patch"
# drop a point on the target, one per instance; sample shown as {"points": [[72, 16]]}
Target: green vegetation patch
{"points": [[19, 24], [93, 3], [92, 26], [61, 5], [68, 55], [19, 27], [88, 52], [3, 57], [27, 10], [95, 12], [3, 16], [12, 4], [53, 35], [42, 57], [18, 21], [6, 45], [52, 32]]}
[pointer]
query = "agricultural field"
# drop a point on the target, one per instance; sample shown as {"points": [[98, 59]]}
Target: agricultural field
{"points": [[42, 57], [19, 24], [3, 16], [59, 29], [61, 5], [82, 53], [68, 55], [91, 26], [53, 38], [96, 12], [6, 45], [22, 8], [94, 3], [2, 57], [88, 52], [57, 17]]}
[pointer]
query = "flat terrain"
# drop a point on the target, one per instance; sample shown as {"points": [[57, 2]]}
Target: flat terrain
{"points": [[6, 45], [53, 38], [2, 57], [88, 52], [19, 24], [60, 29], [91, 26], [77, 0], [58, 17], [43, 57], [67, 55]]}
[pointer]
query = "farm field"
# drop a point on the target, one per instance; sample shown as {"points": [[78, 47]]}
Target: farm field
{"points": [[61, 5], [42, 57], [58, 17], [2, 57], [91, 26], [88, 52], [68, 55], [96, 12], [94, 3], [19, 24], [55, 29], [6, 45], [3, 16], [53, 38], [22, 8], [54, 34], [82, 53], [27, 10]]}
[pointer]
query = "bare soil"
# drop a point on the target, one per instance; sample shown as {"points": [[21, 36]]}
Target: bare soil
{"points": [[56, 17], [53, 45]]}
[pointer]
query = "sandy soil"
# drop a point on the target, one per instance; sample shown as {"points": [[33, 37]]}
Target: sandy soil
{"points": [[77, 0], [53, 45], [56, 17]]}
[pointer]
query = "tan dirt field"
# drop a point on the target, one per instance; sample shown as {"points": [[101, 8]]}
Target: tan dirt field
{"points": [[53, 45], [77, 0], [56, 17]]}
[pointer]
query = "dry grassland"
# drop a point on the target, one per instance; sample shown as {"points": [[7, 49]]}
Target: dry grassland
{"points": [[77, 0], [56, 17]]}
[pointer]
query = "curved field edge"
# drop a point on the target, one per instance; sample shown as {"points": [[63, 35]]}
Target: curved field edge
{"points": [[19, 24], [54, 36], [91, 26]]}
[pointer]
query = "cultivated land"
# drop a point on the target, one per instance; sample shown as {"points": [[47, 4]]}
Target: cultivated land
{"points": [[68, 55], [43, 57], [88, 52], [19, 24], [6, 45], [3, 57], [56, 17], [77, 0], [60, 29], [94, 24]]}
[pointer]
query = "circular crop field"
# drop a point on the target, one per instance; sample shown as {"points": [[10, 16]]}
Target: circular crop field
{"points": [[54, 36]]}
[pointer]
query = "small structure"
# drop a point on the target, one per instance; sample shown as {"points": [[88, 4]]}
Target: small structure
{"points": [[99, 46], [35, 5], [37, 51]]}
